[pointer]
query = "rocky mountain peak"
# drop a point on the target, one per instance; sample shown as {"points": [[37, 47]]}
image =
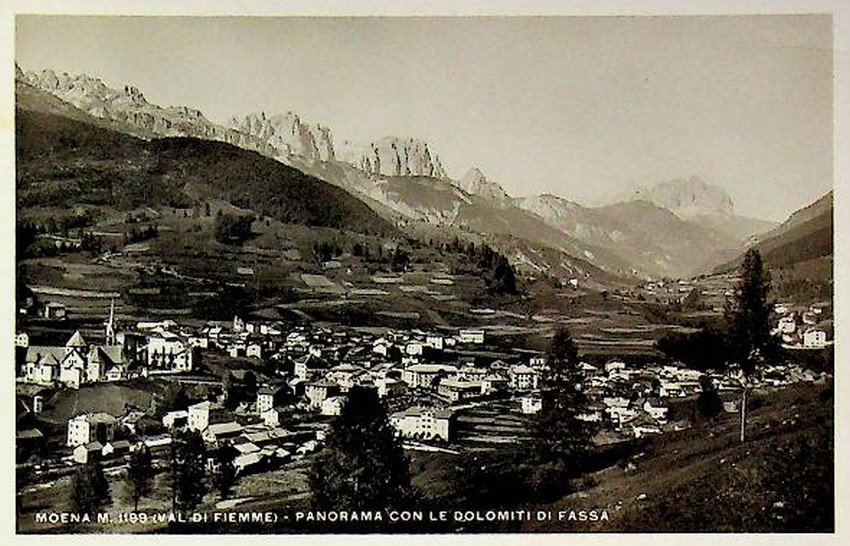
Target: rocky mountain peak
{"points": [[687, 198], [134, 94], [288, 135], [474, 182], [474, 176], [394, 156]]}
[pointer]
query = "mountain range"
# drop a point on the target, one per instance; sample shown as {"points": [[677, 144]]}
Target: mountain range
{"points": [[677, 228], [805, 238], [66, 157]]}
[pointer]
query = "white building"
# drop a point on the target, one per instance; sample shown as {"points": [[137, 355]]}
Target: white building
{"points": [[89, 427], [787, 325], [166, 324], [494, 383], [333, 405], [267, 397], [254, 350], [668, 389], [614, 366], [644, 429], [814, 338], [523, 378], [238, 324], [389, 387], [319, 391], [422, 423], [165, 350], [531, 403], [537, 361], [222, 431], [199, 341], [54, 310], [414, 348], [423, 375], [84, 453], [435, 341], [656, 409], [175, 419], [199, 416], [471, 335], [455, 390]]}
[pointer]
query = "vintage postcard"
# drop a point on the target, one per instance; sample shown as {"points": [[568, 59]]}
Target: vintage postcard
{"points": [[290, 274]]}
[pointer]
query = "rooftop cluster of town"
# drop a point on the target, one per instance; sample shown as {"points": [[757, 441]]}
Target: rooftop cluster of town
{"points": [[303, 373]]}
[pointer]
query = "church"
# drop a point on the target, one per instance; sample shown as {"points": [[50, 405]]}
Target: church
{"points": [[78, 361]]}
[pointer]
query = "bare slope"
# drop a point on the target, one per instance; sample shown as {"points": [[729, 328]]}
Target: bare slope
{"points": [[806, 235]]}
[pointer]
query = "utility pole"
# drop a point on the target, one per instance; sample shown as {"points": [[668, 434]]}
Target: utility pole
{"points": [[743, 409]]}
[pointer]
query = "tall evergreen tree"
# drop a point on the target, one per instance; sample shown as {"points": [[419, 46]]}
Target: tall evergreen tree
{"points": [[748, 315], [560, 434], [224, 477], [90, 490], [188, 461], [140, 474], [363, 466]]}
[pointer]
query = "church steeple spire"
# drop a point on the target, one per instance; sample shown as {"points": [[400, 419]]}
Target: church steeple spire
{"points": [[110, 325]]}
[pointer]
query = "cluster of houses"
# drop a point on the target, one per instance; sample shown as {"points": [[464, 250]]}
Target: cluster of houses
{"points": [[149, 349], [424, 378], [802, 327], [418, 374], [635, 402], [258, 445]]}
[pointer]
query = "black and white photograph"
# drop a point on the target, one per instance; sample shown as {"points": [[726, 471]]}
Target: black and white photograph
{"points": [[423, 274]]}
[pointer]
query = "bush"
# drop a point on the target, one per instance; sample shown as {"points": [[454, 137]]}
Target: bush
{"points": [[233, 229]]}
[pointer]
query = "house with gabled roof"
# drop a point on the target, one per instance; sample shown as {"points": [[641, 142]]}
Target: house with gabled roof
{"points": [[42, 364], [86, 453], [308, 366]]}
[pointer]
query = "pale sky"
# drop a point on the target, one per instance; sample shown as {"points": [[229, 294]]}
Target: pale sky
{"points": [[581, 107]]}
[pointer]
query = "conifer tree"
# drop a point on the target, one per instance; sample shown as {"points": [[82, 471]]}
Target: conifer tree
{"points": [[363, 466], [188, 458], [224, 477], [560, 434], [90, 490], [140, 474]]}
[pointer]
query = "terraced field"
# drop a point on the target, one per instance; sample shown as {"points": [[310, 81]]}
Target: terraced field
{"points": [[491, 424]]}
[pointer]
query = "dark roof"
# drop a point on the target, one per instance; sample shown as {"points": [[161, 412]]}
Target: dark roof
{"points": [[268, 390], [417, 411], [93, 446], [29, 434], [322, 383], [36, 353]]}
